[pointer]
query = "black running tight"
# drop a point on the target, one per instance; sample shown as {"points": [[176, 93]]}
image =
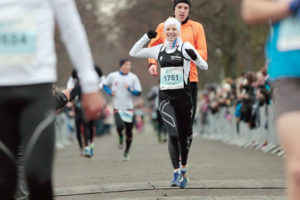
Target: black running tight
{"points": [[27, 119], [121, 125], [177, 116]]}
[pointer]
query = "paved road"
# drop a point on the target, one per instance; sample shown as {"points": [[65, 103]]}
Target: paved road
{"points": [[216, 171]]}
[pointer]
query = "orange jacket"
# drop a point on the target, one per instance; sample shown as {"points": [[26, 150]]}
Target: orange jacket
{"points": [[192, 32]]}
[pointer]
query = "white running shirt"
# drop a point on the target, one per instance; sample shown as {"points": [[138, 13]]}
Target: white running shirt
{"points": [[123, 99], [27, 51]]}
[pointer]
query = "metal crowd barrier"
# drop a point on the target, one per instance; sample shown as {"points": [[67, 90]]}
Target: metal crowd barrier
{"points": [[221, 129], [65, 131]]}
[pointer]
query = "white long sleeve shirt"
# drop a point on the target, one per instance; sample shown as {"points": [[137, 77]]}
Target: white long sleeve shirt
{"points": [[27, 48], [138, 51], [123, 99]]}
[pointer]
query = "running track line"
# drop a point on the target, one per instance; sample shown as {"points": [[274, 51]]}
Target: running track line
{"points": [[164, 185], [211, 198]]}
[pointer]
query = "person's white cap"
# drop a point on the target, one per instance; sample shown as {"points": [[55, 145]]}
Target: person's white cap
{"points": [[173, 21]]}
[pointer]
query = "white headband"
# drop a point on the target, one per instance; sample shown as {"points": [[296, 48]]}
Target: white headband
{"points": [[172, 21]]}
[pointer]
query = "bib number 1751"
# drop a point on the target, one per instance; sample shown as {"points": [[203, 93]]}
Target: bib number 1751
{"points": [[171, 77]]}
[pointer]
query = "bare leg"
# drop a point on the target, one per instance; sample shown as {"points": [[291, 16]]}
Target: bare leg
{"points": [[288, 126]]}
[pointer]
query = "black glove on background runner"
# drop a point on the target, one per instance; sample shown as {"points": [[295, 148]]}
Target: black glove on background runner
{"points": [[191, 53], [151, 34]]}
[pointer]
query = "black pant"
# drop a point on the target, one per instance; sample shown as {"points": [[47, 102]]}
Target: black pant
{"points": [[177, 116], [120, 124], [89, 132], [27, 119], [194, 95], [79, 124]]}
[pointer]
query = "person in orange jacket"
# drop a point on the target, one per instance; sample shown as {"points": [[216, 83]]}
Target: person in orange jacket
{"points": [[192, 32]]}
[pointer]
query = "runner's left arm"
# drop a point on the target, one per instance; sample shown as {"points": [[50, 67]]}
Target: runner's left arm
{"points": [[136, 88], [75, 39], [198, 60]]}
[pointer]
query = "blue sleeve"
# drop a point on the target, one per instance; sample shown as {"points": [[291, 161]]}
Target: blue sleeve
{"points": [[134, 92], [107, 90]]}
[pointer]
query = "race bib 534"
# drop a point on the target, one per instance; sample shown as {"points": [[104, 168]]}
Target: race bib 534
{"points": [[18, 41]]}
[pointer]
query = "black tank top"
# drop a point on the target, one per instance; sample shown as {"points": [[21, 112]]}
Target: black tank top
{"points": [[174, 60]]}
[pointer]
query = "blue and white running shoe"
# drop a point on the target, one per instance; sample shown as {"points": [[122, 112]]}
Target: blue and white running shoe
{"points": [[184, 179], [87, 152], [176, 179], [126, 156], [92, 149]]}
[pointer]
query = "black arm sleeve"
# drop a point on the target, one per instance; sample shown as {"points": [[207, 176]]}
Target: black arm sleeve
{"points": [[60, 100]]}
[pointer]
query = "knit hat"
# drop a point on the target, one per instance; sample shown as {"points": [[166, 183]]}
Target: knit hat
{"points": [[182, 1]]}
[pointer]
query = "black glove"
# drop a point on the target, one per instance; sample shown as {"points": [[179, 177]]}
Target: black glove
{"points": [[191, 53], [295, 7], [151, 34]]}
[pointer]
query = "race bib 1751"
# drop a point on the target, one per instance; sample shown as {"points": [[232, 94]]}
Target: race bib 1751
{"points": [[18, 41], [289, 34], [171, 78]]}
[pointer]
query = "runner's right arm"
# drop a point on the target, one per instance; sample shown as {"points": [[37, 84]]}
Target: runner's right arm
{"points": [[200, 40], [138, 51], [106, 82], [156, 41]]}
